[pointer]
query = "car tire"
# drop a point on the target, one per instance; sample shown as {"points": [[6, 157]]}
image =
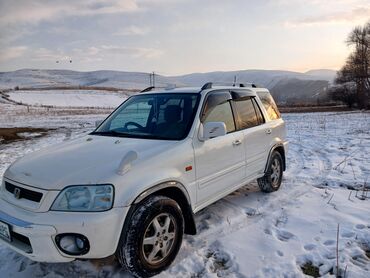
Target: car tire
{"points": [[153, 237], [271, 181]]}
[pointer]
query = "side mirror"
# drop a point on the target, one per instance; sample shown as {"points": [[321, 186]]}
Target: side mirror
{"points": [[98, 123], [211, 130]]}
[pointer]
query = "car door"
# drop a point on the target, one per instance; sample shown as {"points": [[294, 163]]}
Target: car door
{"points": [[257, 136], [220, 161]]}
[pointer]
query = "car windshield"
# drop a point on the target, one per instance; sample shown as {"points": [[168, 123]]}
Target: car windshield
{"points": [[154, 116]]}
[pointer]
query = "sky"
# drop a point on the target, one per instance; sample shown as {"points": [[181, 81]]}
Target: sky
{"points": [[174, 37]]}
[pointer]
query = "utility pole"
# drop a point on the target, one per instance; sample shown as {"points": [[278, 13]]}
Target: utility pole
{"points": [[150, 80], [153, 79], [234, 81]]}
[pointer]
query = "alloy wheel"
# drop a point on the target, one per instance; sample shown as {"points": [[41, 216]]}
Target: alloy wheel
{"points": [[159, 238], [275, 172]]}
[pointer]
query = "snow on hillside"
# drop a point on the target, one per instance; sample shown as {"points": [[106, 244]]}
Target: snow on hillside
{"points": [[266, 78], [137, 80], [104, 78], [248, 233], [69, 98], [295, 91], [310, 83], [322, 74]]}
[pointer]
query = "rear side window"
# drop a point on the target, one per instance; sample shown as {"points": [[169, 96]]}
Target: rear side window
{"points": [[270, 105], [260, 117], [249, 114], [221, 113]]}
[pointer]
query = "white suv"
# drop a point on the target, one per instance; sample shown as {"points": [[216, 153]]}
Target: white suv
{"points": [[132, 186]]}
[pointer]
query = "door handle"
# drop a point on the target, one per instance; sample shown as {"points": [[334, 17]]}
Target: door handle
{"points": [[268, 131], [237, 142]]}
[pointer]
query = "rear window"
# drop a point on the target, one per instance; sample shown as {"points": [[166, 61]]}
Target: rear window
{"points": [[269, 104]]}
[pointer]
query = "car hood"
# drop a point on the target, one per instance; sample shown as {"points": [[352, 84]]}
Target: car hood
{"points": [[91, 159]]}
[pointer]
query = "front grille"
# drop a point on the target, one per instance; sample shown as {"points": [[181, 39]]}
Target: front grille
{"points": [[23, 193]]}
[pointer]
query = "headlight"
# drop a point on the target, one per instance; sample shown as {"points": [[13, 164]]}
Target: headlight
{"points": [[85, 198]]}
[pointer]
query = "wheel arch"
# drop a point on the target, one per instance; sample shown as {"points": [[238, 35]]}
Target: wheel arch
{"points": [[279, 148], [177, 192]]}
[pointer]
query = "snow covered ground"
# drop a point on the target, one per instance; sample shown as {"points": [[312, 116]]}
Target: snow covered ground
{"points": [[248, 233], [68, 98]]}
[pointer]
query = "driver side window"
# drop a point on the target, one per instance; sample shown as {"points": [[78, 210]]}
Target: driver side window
{"points": [[136, 112]]}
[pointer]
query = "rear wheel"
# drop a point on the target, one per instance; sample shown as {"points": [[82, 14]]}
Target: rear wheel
{"points": [[153, 237], [271, 181]]}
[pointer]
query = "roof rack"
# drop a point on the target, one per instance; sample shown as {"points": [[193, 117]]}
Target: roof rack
{"points": [[247, 85], [147, 89], [209, 85], [206, 86]]}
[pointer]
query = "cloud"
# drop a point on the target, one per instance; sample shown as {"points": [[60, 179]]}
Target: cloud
{"points": [[95, 53], [11, 34], [132, 30], [355, 16], [12, 53], [43, 54], [135, 52], [317, 3], [25, 11]]}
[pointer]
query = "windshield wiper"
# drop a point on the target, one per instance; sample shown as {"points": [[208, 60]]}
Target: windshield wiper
{"points": [[109, 132], [128, 135], [119, 134]]}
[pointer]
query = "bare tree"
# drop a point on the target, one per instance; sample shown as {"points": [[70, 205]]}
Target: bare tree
{"points": [[356, 70], [345, 93]]}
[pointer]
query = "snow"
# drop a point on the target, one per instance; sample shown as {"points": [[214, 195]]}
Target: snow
{"points": [[134, 80], [69, 98], [103, 78], [289, 86], [248, 233]]}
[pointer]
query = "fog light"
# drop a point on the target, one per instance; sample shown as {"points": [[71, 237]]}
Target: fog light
{"points": [[72, 244], [80, 243]]}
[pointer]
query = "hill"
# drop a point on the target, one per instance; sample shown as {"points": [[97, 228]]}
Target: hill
{"points": [[287, 86]]}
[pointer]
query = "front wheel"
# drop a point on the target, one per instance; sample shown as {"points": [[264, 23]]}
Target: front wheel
{"points": [[271, 181], [153, 238]]}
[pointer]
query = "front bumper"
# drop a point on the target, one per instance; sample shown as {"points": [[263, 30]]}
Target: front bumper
{"points": [[34, 233]]}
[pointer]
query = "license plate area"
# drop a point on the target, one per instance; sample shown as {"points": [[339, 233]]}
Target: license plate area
{"points": [[5, 231]]}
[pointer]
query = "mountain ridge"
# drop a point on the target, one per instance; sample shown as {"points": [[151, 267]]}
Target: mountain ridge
{"points": [[308, 87]]}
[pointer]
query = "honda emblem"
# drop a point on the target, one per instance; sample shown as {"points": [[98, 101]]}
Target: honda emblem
{"points": [[17, 193]]}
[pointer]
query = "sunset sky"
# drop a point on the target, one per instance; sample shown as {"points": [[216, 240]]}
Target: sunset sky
{"points": [[177, 36]]}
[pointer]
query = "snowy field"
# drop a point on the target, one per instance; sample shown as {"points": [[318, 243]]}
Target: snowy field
{"points": [[68, 98], [248, 233]]}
